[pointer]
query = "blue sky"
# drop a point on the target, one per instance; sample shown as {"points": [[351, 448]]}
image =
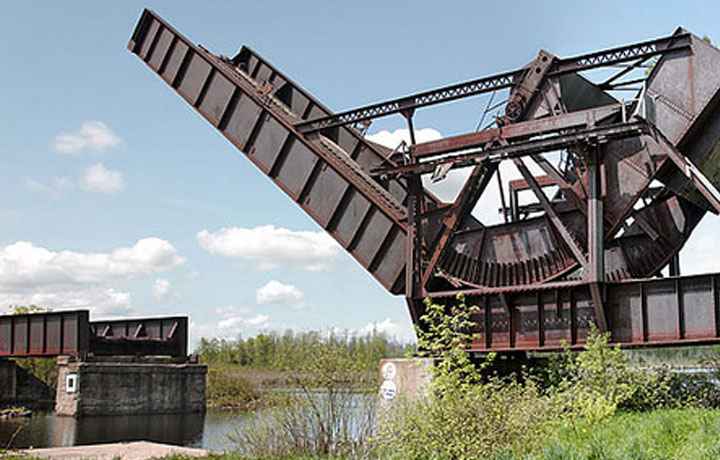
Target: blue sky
{"points": [[116, 196]]}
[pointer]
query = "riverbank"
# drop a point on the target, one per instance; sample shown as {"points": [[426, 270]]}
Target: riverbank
{"points": [[140, 450], [244, 389], [677, 434]]}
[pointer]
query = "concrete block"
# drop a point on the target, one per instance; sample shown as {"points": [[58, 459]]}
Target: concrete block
{"points": [[124, 388], [405, 378]]}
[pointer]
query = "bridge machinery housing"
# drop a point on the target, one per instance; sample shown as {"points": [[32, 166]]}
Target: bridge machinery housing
{"points": [[617, 186]]}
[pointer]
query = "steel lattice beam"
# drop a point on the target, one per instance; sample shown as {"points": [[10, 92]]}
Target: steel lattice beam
{"points": [[499, 81]]}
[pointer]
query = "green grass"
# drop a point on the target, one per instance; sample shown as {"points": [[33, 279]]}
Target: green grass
{"points": [[677, 434], [657, 435]]}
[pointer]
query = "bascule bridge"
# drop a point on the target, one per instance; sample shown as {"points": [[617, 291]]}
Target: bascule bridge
{"points": [[623, 183]]}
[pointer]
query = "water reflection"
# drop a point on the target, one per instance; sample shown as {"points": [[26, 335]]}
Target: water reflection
{"points": [[48, 430], [209, 431]]}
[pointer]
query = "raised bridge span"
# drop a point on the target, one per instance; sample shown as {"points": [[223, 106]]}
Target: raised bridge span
{"points": [[637, 178]]}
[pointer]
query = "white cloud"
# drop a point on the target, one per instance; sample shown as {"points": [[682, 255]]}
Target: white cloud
{"points": [[25, 266], [258, 321], [275, 292], [97, 178], [236, 320], [701, 253], [270, 247], [192, 275], [62, 280], [392, 139], [103, 302], [91, 136], [160, 288], [401, 332]]}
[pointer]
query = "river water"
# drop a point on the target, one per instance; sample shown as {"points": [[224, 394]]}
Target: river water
{"points": [[208, 431]]}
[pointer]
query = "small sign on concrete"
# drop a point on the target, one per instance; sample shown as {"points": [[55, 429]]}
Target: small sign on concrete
{"points": [[388, 389], [71, 382], [388, 371]]}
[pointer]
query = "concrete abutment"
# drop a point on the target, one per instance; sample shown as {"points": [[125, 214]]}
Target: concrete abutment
{"points": [[117, 386]]}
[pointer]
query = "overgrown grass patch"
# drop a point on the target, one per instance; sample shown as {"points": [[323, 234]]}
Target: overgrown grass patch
{"points": [[678, 434]]}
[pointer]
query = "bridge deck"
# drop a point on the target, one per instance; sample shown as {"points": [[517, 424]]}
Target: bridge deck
{"points": [[51, 334]]}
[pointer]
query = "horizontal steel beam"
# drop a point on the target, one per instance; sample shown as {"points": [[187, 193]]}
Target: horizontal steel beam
{"points": [[519, 149], [640, 313], [622, 54], [523, 129]]}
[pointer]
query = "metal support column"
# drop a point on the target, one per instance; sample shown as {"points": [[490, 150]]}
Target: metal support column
{"points": [[596, 262], [414, 288]]}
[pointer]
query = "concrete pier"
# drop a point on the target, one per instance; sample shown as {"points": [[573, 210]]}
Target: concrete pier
{"points": [[117, 386], [404, 378]]}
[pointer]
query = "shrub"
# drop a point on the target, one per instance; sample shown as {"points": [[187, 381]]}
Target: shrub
{"points": [[463, 416], [596, 382], [228, 389], [330, 408]]}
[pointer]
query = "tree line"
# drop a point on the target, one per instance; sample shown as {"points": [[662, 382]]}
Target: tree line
{"points": [[289, 350]]}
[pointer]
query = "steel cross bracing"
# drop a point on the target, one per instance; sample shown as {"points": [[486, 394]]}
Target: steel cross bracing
{"points": [[504, 80], [611, 210]]}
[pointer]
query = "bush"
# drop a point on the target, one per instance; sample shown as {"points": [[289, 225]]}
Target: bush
{"points": [[467, 416], [596, 382], [228, 389], [479, 422], [330, 408], [463, 416]]}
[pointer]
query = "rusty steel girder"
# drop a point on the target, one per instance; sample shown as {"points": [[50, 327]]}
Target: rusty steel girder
{"points": [[635, 178], [49, 334]]}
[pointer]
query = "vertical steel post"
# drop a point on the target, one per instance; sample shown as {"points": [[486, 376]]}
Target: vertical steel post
{"points": [[674, 265], [596, 265], [414, 288]]}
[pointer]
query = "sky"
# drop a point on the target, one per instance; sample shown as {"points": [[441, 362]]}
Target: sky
{"points": [[117, 197]]}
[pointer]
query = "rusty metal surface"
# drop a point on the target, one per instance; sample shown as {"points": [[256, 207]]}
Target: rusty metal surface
{"points": [[255, 107], [640, 313], [44, 334], [633, 181], [143, 336], [71, 333]]}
